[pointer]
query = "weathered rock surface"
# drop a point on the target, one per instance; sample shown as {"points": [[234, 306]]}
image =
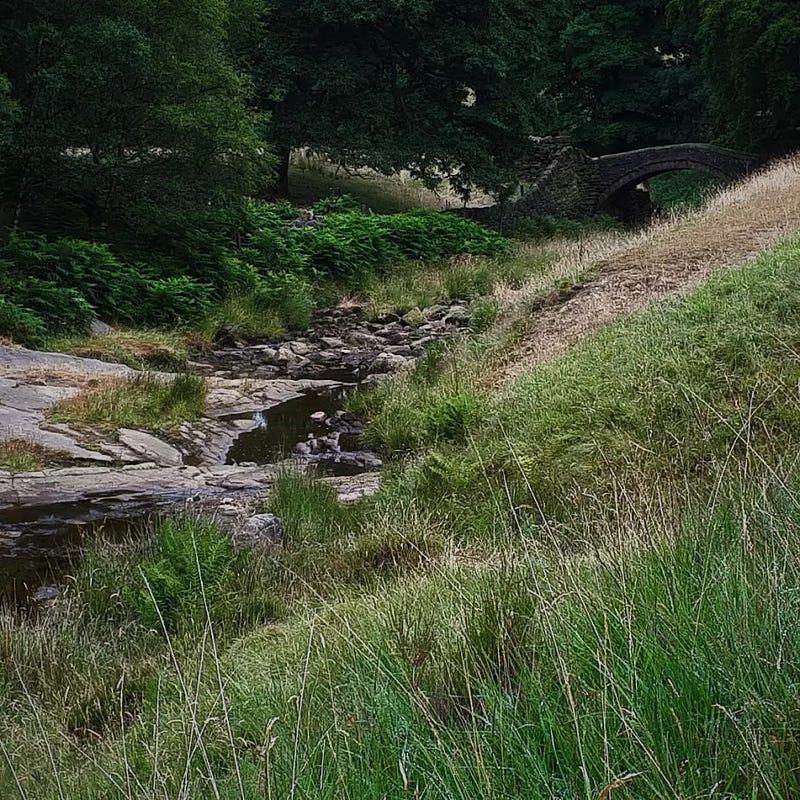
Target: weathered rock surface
{"points": [[150, 448], [261, 530], [18, 362], [22, 416], [43, 501]]}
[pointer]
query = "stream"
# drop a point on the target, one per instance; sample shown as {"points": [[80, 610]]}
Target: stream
{"points": [[280, 404]]}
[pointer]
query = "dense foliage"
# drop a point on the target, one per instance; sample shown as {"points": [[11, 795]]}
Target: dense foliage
{"points": [[751, 60], [119, 108], [623, 74], [443, 88], [58, 286]]}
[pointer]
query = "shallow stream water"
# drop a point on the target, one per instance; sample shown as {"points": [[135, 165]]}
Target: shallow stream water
{"points": [[36, 551]]}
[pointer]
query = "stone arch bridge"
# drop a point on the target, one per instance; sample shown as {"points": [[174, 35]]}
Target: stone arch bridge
{"points": [[558, 179]]}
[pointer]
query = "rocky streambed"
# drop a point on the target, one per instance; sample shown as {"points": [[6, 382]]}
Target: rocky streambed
{"points": [[272, 405]]}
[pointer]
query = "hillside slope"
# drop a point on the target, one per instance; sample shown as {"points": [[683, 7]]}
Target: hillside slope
{"points": [[670, 257]]}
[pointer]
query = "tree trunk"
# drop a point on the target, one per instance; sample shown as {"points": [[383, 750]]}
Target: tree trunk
{"points": [[282, 178]]}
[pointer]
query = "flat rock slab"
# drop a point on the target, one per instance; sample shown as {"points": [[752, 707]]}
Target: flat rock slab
{"points": [[21, 362], [234, 397], [16, 423], [52, 498], [150, 448]]}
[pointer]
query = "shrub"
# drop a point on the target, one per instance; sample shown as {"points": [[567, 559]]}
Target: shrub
{"points": [[192, 565], [337, 204], [453, 416], [348, 246], [484, 314], [20, 324], [112, 288], [176, 300], [428, 234], [64, 310], [289, 294]]}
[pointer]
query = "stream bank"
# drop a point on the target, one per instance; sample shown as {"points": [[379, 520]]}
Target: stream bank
{"points": [[274, 406]]}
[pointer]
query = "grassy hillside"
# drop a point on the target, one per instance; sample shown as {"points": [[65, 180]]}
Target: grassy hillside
{"points": [[576, 582]]}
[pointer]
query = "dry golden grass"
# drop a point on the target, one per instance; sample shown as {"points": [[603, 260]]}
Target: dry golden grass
{"points": [[140, 349], [313, 177], [620, 274]]}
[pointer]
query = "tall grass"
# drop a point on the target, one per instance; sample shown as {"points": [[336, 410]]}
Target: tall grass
{"points": [[583, 584], [20, 455], [663, 657], [142, 348]]}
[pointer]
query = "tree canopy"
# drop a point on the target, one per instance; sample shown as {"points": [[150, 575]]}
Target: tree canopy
{"points": [[751, 60], [124, 111], [120, 106], [439, 87], [622, 76]]}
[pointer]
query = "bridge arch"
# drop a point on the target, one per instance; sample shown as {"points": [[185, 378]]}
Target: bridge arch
{"points": [[622, 172]]}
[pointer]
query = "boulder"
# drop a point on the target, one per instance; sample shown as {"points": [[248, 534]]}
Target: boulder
{"points": [[388, 362], [228, 335], [261, 530], [100, 328], [458, 315], [45, 595], [414, 318], [300, 348], [375, 379], [434, 312]]}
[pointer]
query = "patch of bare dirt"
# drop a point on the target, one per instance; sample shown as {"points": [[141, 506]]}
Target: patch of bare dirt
{"points": [[668, 259]]}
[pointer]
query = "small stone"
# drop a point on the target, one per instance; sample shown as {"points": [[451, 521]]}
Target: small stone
{"points": [[363, 339], [414, 317], [318, 416], [375, 379], [332, 342], [300, 348], [388, 362], [458, 315], [46, 594], [228, 335], [302, 449], [259, 531], [434, 312], [150, 448], [286, 355]]}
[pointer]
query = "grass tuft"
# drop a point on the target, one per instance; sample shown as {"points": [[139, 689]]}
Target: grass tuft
{"points": [[146, 401], [138, 348], [20, 455]]}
